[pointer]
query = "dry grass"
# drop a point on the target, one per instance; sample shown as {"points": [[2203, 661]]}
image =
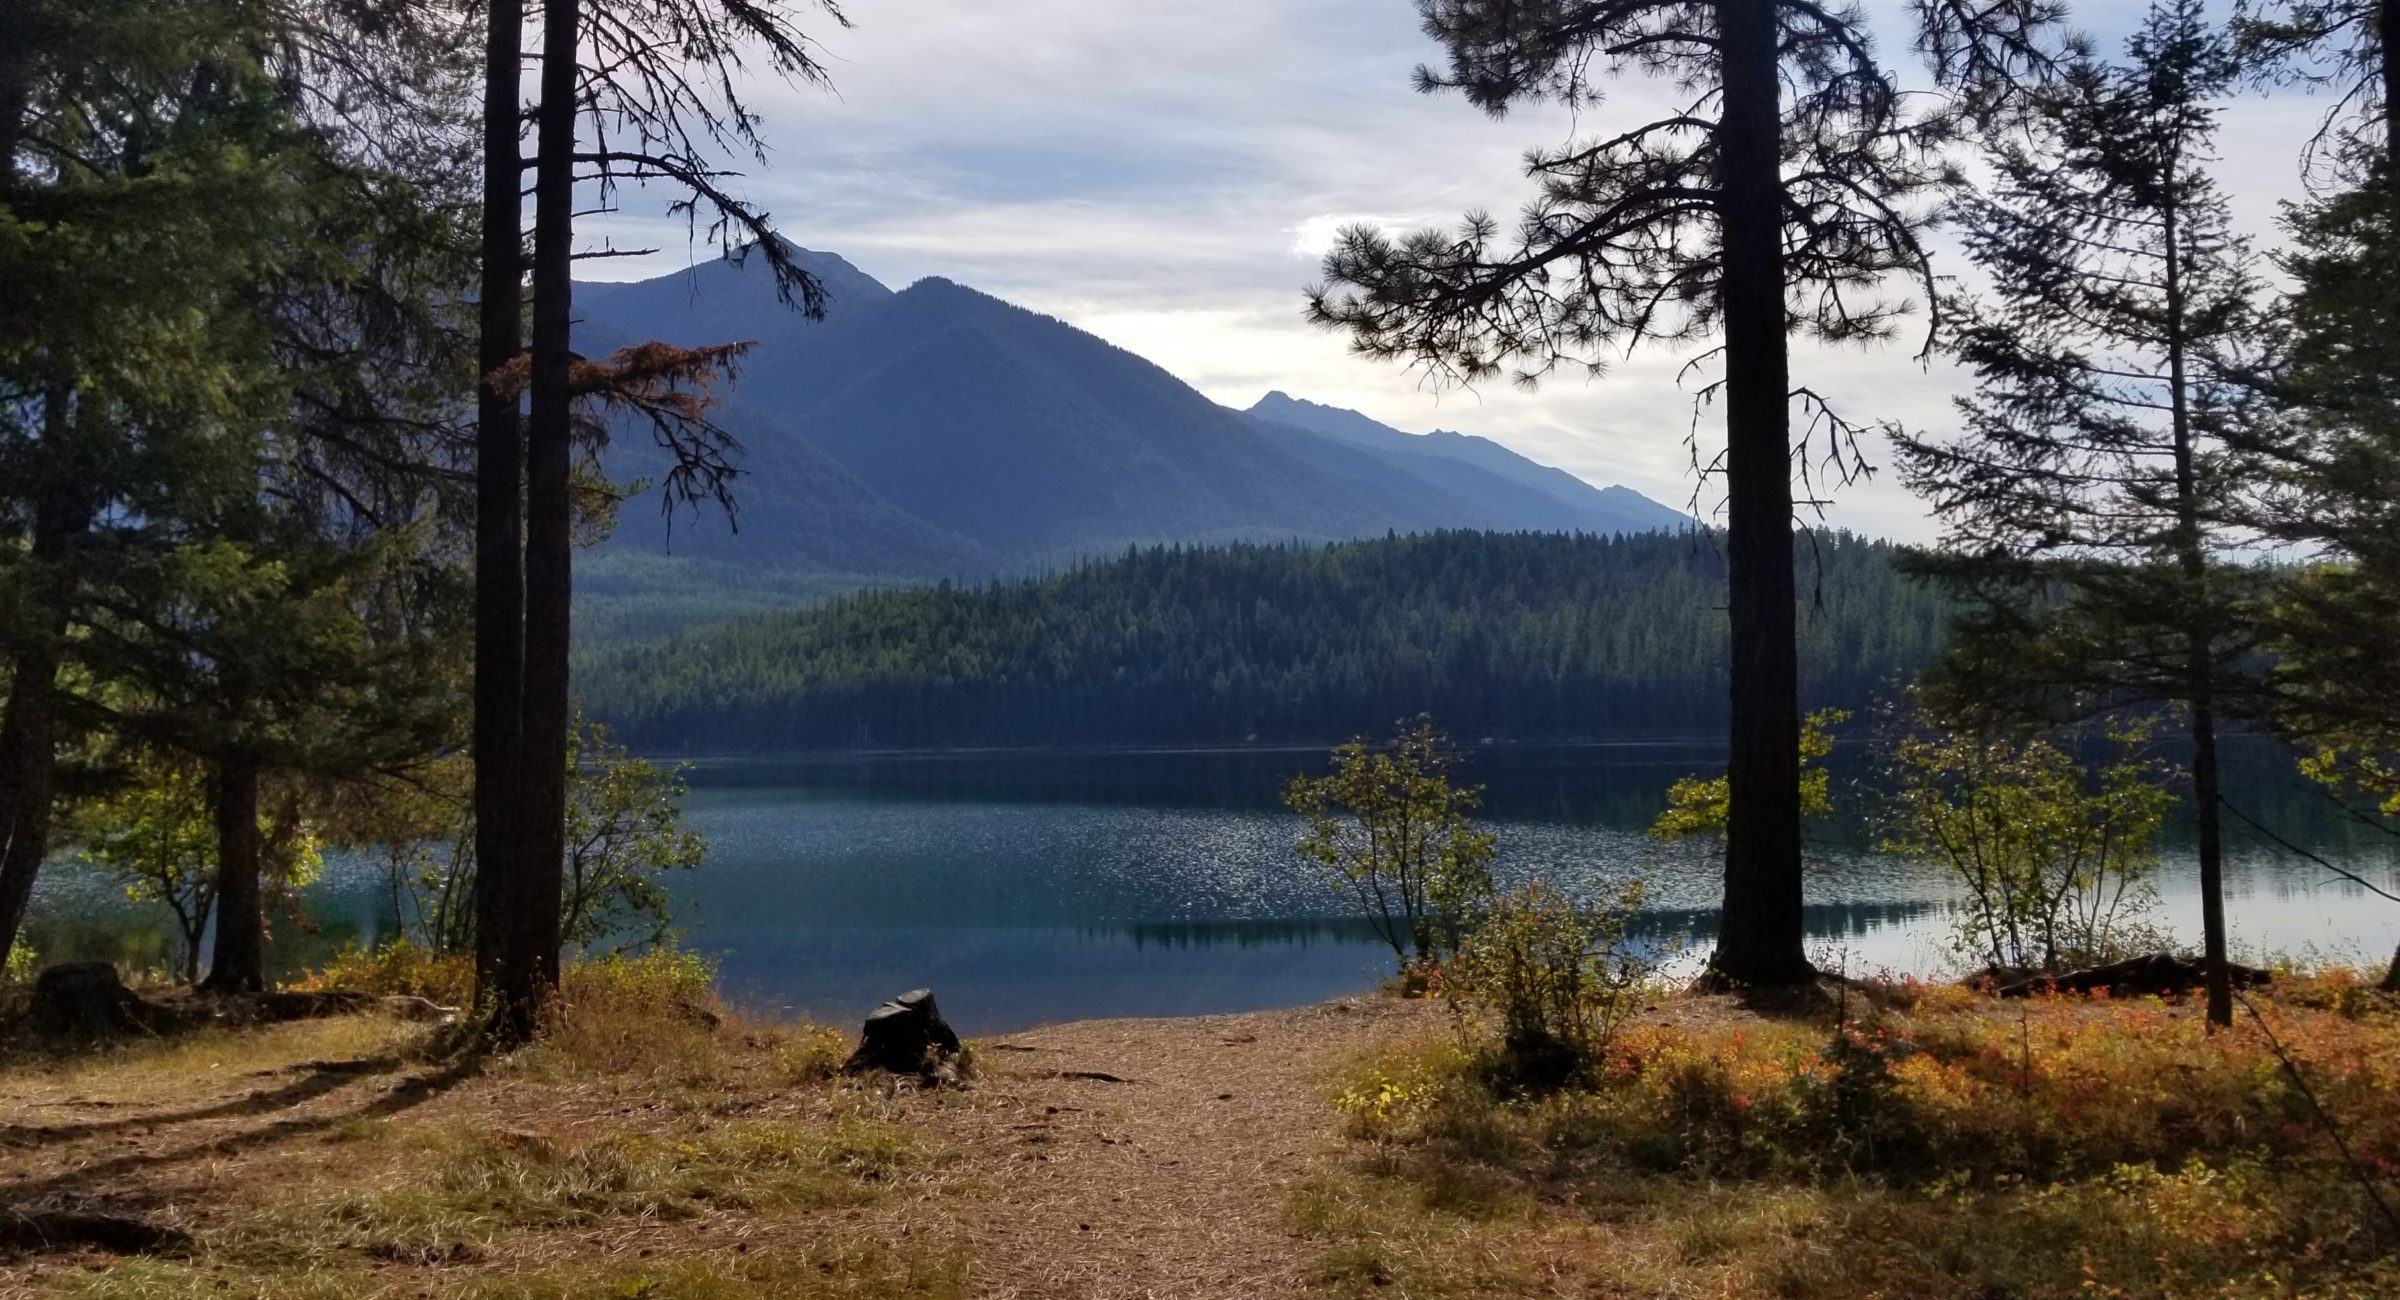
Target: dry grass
{"points": [[1946, 1146], [1169, 1184], [650, 1146], [655, 1147]]}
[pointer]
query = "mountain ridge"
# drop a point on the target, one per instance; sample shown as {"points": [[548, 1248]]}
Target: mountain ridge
{"points": [[938, 431]]}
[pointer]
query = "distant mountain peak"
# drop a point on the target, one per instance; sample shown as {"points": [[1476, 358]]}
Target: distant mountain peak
{"points": [[1612, 508]]}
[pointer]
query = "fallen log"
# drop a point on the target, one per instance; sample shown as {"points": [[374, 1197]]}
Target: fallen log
{"points": [[37, 1231], [2149, 975]]}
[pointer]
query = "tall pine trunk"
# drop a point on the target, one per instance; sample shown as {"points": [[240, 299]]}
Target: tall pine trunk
{"points": [[2387, 27], [29, 730], [499, 493], [238, 963], [2200, 688], [531, 928], [2206, 792], [18, 35], [1762, 940]]}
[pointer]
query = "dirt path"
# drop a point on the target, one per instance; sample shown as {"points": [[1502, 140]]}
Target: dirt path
{"points": [[1170, 1183], [1101, 1160]]}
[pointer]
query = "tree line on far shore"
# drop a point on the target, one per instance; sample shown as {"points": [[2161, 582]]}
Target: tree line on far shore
{"points": [[1518, 636]]}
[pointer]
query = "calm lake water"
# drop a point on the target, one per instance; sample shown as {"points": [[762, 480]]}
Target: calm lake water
{"points": [[1027, 888]]}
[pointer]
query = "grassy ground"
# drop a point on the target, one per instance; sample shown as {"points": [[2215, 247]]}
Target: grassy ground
{"points": [[1924, 1143], [1903, 1141], [648, 1148]]}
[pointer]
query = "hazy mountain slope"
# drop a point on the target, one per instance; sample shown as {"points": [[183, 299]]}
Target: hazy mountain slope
{"points": [[968, 432], [803, 528], [1031, 436], [1507, 479], [719, 301], [1389, 485]]}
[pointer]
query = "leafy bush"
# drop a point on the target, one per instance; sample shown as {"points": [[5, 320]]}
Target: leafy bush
{"points": [[400, 968], [16, 979], [624, 833], [1389, 827], [1558, 977], [1403, 1085], [2056, 858], [1700, 805]]}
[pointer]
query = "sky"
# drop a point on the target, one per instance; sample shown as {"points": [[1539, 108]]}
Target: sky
{"points": [[1166, 174]]}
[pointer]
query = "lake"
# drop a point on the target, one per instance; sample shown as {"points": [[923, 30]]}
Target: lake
{"points": [[1027, 888]]}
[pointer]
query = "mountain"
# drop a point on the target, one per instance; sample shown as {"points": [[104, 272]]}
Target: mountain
{"points": [[1027, 435], [1500, 478], [721, 300], [1524, 636], [938, 431]]}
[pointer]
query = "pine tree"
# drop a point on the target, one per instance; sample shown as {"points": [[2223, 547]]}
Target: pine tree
{"points": [[230, 271], [2337, 45], [2338, 456], [2085, 503], [630, 93], [1744, 217], [2333, 457], [141, 198]]}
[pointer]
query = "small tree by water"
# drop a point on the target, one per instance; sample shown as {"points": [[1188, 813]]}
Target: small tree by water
{"points": [[2056, 856], [1703, 805], [625, 834], [1389, 827]]}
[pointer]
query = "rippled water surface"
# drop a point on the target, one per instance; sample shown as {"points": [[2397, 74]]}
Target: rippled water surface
{"points": [[1031, 888]]}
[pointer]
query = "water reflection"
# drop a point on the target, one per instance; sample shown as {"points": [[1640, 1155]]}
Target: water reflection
{"points": [[1032, 888]]}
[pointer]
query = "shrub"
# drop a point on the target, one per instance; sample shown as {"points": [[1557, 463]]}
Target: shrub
{"points": [[2056, 858], [16, 979], [400, 968], [1558, 977], [1400, 1086], [1701, 805], [651, 1015], [1389, 827]]}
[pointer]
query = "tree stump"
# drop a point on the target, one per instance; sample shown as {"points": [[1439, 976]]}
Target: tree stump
{"points": [[86, 1000], [906, 1035]]}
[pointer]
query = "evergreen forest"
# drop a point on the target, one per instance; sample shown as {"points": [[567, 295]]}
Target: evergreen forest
{"points": [[1518, 636]]}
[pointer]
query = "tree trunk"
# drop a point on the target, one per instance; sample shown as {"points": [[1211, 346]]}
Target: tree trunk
{"points": [[1761, 941], [239, 961], [2391, 975], [532, 898], [19, 32], [2212, 865], [499, 492], [2200, 689], [29, 732], [2387, 25]]}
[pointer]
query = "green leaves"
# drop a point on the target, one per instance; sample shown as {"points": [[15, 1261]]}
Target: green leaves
{"points": [[2055, 856], [625, 831], [1389, 827], [1702, 805]]}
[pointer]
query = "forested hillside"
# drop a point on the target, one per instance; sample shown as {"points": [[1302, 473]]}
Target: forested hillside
{"points": [[1523, 636]]}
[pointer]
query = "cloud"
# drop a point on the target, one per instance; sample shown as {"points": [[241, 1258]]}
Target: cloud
{"points": [[1314, 237], [1166, 174]]}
